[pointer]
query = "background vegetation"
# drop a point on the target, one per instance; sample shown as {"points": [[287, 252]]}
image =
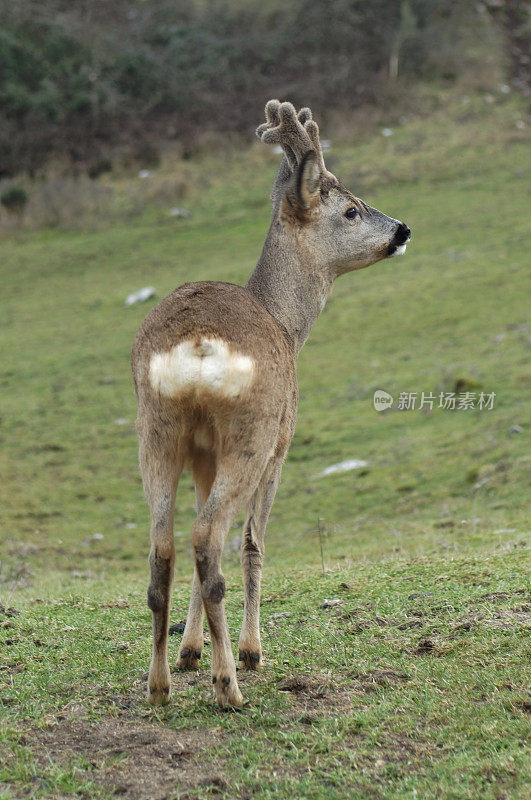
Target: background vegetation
{"points": [[76, 79]]}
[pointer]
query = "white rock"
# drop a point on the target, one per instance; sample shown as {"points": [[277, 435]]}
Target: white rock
{"points": [[179, 212], [144, 173], [96, 537], [343, 466], [387, 131], [140, 296], [336, 601]]}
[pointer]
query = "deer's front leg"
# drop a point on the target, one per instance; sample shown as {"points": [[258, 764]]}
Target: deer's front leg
{"points": [[249, 647], [250, 650], [193, 637]]}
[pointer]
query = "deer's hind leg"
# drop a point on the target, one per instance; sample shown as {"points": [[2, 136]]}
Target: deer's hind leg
{"points": [[249, 648], [193, 638], [161, 468], [237, 477]]}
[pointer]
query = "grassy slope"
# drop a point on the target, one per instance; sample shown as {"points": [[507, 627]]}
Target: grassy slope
{"points": [[440, 513]]}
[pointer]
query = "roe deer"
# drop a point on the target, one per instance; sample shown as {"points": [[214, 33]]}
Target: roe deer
{"points": [[215, 377]]}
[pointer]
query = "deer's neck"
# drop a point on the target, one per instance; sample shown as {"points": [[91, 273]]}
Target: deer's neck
{"points": [[289, 284]]}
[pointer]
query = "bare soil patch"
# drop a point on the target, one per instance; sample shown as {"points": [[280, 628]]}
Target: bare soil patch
{"points": [[317, 696], [138, 759]]}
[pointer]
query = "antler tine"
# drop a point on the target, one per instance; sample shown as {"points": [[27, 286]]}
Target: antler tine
{"points": [[312, 129], [284, 127]]}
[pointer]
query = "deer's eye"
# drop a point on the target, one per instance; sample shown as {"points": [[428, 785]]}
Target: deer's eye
{"points": [[351, 213]]}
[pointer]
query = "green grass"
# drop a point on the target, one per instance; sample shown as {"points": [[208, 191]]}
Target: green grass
{"points": [[414, 686]]}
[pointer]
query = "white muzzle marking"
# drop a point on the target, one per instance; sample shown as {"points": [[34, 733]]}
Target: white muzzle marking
{"points": [[400, 250], [206, 367]]}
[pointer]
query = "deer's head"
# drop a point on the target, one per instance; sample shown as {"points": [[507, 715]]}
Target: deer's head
{"points": [[339, 229]]}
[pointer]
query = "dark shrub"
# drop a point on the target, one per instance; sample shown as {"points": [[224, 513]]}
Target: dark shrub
{"points": [[14, 199]]}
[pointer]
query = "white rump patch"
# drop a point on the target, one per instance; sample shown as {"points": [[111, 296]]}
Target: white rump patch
{"points": [[208, 366]]}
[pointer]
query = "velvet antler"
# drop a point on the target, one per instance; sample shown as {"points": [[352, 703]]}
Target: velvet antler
{"points": [[295, 132]]}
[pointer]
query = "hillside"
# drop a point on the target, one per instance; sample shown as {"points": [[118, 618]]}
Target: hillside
{"points": [[413, 684]]}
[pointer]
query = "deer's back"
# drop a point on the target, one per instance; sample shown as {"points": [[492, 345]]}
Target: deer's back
{"points": [[212, 344]]}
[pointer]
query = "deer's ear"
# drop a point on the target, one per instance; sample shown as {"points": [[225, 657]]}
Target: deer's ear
{"points": [[305, 184]]}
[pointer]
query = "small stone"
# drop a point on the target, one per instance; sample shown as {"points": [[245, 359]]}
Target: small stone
{"points": [[96, 537], [516, 429], [139, 296], [343, 466], [336, 601]]}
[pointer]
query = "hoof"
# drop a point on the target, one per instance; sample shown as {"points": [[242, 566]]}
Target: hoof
{"points": [[227, 692], [250, 659], [159, 683], [189, 658], [158, 695]]}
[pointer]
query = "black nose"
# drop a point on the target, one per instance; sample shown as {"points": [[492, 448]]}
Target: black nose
{"points": [[402, 234]]}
